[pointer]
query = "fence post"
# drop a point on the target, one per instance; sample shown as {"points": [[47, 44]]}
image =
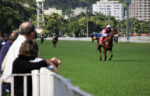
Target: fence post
{"points": [[35, 83], [46, 83], [12, 86], [25, 85]]}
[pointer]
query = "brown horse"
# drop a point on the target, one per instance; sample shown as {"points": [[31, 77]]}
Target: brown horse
{"points": [[107, 45], [54, 41]]}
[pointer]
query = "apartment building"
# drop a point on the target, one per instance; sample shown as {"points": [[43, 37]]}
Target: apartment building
{"points": [[140, 9], [50, 11], [78, 10], [109, 8]]}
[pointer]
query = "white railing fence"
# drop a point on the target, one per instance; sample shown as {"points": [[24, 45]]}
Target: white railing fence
{"points": [[137, 39], [47, 83]]}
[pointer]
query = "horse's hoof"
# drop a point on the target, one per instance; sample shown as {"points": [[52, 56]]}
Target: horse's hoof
{"points": [[100, 59], [109, 59]]}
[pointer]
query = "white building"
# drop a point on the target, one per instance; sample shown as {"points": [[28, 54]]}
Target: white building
{"points": [[109, 8], [51, 11], [140, 9], [78, 10]]}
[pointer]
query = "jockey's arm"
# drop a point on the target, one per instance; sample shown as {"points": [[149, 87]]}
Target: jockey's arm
{"points": [[104, 34]]}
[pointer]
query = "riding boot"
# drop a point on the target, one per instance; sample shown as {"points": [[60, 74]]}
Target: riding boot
{"points": [[101, 40]]}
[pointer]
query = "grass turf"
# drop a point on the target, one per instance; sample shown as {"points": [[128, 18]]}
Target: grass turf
{"points": [[128, 74]]}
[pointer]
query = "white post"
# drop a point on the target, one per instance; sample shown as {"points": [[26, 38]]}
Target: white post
{"points": [[35, 83], [46, 83], [25, 85], [12, 86]]}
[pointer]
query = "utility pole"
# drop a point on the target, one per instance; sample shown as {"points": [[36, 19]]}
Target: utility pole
{"points": [[87, 25], [128, 23], [40, 14], [134, 18], [109, 17], [141, 28]]}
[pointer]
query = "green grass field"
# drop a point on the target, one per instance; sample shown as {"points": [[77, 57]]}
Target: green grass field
{"points": [[128, 74]]}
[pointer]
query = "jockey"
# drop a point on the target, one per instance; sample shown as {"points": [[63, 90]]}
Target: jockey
{"points": [[106, 31]]}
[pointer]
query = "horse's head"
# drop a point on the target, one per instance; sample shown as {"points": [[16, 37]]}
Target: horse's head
{"points": [[115, 35]]}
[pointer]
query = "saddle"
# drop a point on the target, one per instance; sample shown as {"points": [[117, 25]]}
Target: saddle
{"points": [[104, 40]]}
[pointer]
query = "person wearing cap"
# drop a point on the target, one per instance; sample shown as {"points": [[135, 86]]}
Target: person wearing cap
{"points": [[105, 33]]}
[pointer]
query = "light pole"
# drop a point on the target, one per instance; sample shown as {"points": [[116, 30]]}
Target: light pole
{"points": [[109, 17], [40, 14], [134, 28], [87, 25], [128, 23], [141, 28]]}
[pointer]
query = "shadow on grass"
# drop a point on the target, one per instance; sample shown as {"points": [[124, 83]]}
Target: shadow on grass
{"points": [[127, 60]]}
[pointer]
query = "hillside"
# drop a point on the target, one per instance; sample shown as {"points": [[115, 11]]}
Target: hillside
{"points": [[67, 4]]}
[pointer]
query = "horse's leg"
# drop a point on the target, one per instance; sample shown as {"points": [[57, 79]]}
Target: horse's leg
{"points": [[98, 43], [105, 57], [97, 40], [111, 54], [92, 40], [100, 52], [54, 45]]}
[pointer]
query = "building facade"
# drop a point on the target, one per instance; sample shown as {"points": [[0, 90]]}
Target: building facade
{"points": [[140, 9], [109, 8], [78, 10], [50, 11]]}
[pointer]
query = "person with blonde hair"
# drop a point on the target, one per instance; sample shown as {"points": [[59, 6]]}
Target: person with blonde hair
{"points": [[28, 51]]}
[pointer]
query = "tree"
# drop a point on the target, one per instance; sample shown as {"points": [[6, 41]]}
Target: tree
{"points": [[53, 23], [69, 13], [13, 12]]}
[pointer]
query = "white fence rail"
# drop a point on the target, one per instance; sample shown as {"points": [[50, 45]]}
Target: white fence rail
{"points": [[137, 39], [47, 83]]}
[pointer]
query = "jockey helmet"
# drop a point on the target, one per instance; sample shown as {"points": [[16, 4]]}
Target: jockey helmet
{"points": [[108, 26]]}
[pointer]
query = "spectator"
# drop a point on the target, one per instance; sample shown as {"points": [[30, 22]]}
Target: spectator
{"points": [[3, 52], [27, 31], [6, 47], [28, 51], [3, 40]]}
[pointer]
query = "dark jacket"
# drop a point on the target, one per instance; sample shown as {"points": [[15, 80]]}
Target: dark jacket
{"points": [[22, 65], [3, 52], [1, 40]]}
